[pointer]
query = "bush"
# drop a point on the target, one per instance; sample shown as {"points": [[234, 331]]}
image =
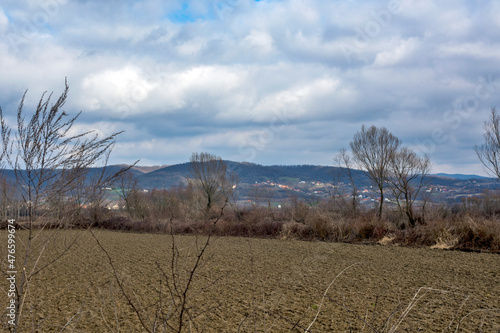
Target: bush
{"points": [[458, 227], [478, 234], [296, 230]]}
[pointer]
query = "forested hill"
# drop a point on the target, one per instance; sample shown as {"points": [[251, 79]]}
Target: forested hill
{"points": [[250, 173]]}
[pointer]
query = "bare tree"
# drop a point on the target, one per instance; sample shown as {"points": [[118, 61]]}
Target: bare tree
{"points": [[127, 186], [489, 152], [372, 150], [97, 185], [345, 162], [209, 174], [174, 309], [48, 162], [407, 178]]}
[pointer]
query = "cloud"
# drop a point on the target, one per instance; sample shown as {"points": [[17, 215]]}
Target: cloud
{"points": [[402, 51], [259, 42], [4, 22], [115, 89], [272, 81]]}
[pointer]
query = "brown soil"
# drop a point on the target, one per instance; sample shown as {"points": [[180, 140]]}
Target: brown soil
{"points": [[262, 285]]}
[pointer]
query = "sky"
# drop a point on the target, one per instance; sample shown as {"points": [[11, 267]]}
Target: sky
{"points": [[269, 82]]}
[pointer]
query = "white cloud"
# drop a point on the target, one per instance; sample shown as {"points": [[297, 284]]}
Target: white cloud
{"points": [[399, 52], [292, 103], [189, 77], [259, 42], [119, 90], [191, 47], [197, 87], [477, 50]]}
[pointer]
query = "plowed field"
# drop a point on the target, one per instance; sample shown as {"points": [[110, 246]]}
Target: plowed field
{"points": [[257, 285]]}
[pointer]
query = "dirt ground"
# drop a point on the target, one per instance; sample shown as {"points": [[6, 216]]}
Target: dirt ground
{"points": [[259, 285]]}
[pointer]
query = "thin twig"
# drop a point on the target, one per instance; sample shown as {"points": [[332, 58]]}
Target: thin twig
{"points": [[115, 274], [324, 295]]}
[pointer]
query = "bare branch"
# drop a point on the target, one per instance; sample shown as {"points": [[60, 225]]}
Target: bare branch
{"points": [[372, 150], [489, 152]]}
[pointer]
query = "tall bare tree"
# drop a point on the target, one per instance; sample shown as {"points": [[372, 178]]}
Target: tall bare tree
{"points": [[372, 150], [345, 162], [49, 162], [489, 152], [408, 172], [210, 175]]}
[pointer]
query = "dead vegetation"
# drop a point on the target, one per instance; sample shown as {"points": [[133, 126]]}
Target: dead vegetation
{"points": [[472, 228], [248, 284]]}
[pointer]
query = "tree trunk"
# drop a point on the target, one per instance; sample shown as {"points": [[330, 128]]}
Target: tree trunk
{"points": [[381, 203]]}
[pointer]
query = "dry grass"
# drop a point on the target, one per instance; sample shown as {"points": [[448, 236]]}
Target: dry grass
{"points": [[453, 231], [474, 227]]}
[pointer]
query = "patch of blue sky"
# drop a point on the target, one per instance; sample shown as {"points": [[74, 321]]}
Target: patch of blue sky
{"points": [[185, 14], [6, 12], [216, 9], [23, 24]]}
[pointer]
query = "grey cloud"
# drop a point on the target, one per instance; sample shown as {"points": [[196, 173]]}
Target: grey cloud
{"points": [[268, 80]]}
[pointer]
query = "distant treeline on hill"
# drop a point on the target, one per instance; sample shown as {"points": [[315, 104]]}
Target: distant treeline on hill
{"points": [[250, 173]]}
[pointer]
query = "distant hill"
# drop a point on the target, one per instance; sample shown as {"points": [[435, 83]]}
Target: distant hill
{"points": [[285, 181], [159, 177], [250, 173], [459, 176], [166, 177], [148, 169]]}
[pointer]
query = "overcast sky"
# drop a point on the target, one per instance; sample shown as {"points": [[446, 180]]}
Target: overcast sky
{"points": [[269, 82]]}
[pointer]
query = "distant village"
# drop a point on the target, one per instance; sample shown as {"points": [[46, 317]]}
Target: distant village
{"points": [[279, 193]]}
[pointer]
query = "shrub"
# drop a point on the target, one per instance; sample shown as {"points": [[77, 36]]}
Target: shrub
{"points": [[478, 234], [297, 230]]}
